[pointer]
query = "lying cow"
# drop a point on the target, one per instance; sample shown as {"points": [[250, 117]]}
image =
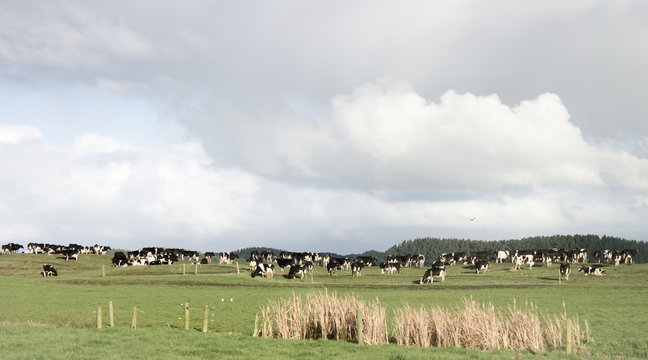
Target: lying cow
{"points": [[592, 270], [565, 270], [431, 273], [481, 265], [265, 270], [48, 270]]}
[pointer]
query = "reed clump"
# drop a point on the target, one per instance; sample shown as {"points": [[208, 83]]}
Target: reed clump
{"points": [[473, 325], [325, 316]]}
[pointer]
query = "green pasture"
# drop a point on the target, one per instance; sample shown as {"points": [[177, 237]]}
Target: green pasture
{"points": [[60, 312]]}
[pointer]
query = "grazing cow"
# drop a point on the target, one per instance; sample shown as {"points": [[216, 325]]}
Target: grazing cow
{"points": [[481, 265], [479, 256], [49, 270], [431, 273], [501, 255], [592, 270], [565, 270], [578, 254], [10, 248], [265, 270], [227, 257], [332, 267], [209, 255], [392, 269], [366, 260], [356, 268], [448, 259], [119, 259], [70, 254], [283, 262], [297, 270], [520, 260], [629, 255]]}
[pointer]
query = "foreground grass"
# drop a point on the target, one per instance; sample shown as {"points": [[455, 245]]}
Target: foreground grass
{"points": [[613, 305]]}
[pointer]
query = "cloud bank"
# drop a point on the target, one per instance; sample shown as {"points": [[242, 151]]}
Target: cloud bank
{"points": [[385, 166]]}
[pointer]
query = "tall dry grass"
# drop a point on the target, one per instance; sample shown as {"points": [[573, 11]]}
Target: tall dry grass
{"points": [[323, 315], [473, 325]]}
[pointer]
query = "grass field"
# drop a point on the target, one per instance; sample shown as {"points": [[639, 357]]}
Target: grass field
{"points": [[56, 317]]}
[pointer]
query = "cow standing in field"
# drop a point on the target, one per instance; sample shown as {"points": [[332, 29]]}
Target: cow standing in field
{"points": [[481, 265], [49, 270], [501, 255], [356, 269], [431, 273], [297, 271], [565, 270], [392, 269], [10, 248]]}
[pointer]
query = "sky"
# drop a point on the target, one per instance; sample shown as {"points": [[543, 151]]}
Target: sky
{"points": [[340, 126]]}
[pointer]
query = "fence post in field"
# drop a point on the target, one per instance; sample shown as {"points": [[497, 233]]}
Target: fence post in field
{"points": [[111, 314], [103, 270], [99, 317], [359, 327], [196, 270], [134, 319], [568, 344], [237, 269], [184, 269], [186, 315], [205, 318]]}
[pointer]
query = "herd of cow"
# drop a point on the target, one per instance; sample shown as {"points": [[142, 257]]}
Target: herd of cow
{"points": [[302, 263]]}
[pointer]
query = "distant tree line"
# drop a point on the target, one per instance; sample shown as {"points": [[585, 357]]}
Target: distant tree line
{"points": [[433, 247]]}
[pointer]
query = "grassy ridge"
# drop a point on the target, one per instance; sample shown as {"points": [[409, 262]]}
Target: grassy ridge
{"points": [[611, 304]]}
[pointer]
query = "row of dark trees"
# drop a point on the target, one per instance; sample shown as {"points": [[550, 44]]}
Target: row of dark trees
{"points": [[433, 247]]}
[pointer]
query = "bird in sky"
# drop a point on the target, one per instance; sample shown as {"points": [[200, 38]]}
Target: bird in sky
{"points": [[472, 219]]}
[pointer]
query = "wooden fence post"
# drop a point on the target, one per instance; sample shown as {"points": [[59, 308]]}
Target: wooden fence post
{"points": [[237, 269], [205, 318], [186, 315], [134, 318], [99, 320], [103, 270], [196, 270], [184, 269], [111, 314]]}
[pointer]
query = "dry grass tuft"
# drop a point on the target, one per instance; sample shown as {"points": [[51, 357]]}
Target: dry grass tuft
{"points": [[326, 316], [475, 325]]}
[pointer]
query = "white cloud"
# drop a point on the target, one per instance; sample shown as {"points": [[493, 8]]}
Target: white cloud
{"points": [[12, 134], [68, 36]]}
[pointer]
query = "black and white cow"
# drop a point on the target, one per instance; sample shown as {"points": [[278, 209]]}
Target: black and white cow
{"points": [[265, 270], [501, 255], [70, 254], [283, 262], [332, 267], [49, 270], [227, 257], [433, 272], [392, 269], [520, 260], [356, 268], [10, 248], [119, 259], [481, 265], [592, 270], [565, 270], [297, 271]]}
